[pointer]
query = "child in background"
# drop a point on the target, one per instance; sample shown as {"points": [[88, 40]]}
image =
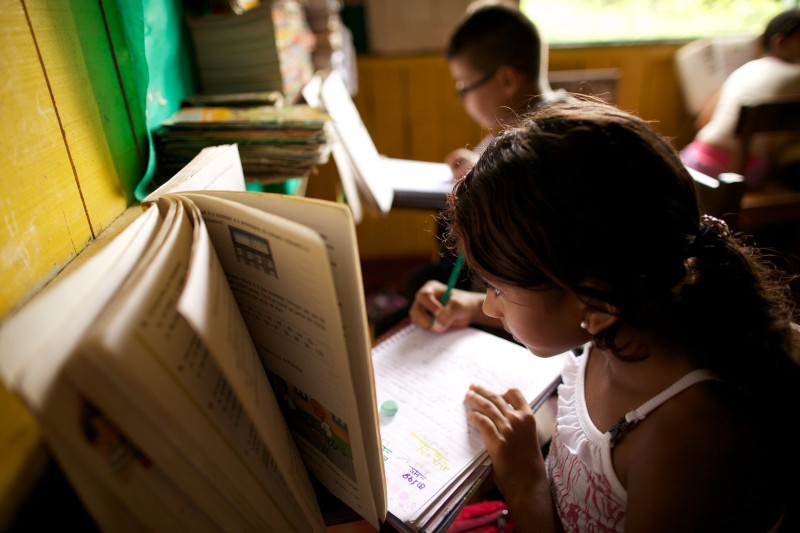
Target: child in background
{"points": [[772, 77], [499, 64], [585, 226]]}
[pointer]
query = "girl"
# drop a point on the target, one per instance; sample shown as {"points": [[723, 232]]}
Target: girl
{"points": [[585, 226], [773, 77]]}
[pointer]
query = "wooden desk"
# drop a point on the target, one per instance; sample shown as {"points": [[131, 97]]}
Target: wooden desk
{"points": [[771, 206]]}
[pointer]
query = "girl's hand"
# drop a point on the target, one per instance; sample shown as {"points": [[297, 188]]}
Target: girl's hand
{"points": [[460, 311], [508, 428]]}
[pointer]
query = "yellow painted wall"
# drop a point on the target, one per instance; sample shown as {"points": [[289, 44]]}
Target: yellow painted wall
{"points": [[71, 144], [43, 220], [68, 149]]}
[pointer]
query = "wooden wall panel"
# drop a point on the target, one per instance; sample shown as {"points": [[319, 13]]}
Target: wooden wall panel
{"points": [[43, 220], [410, 107], [648, 84]]}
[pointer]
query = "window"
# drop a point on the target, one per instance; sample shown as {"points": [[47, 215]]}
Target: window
{"points": [[584, 21]]}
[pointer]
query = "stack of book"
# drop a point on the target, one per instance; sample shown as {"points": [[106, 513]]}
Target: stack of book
{"points": [[334, 49], [266, 48], [324, 20], [236, 53], [295, 43], [276, 143]]}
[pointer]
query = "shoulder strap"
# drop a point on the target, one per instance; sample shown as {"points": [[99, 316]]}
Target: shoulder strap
{"points": [[635, 416]]}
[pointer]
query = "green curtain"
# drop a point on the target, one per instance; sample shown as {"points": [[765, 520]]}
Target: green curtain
{"points": [[162, 64], [159, 50]]}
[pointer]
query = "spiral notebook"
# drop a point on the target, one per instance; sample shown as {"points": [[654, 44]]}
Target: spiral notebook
{"points": [[433, 457]]}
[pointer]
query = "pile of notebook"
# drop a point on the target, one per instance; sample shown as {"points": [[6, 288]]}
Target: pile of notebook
{"points": [[276, 143], [266, 48]]}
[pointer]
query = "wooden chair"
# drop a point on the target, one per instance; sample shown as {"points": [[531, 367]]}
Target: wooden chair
{"points": [[763, 118], [773, 203]]}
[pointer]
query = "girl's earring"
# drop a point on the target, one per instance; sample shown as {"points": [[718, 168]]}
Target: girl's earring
{"points": [[585, 324]]}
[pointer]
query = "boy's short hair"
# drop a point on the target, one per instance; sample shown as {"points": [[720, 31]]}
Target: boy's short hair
{"points": [[785, 24], [493, 35]]}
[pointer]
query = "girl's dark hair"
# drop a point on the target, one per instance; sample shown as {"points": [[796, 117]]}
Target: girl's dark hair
{"points": [[785, 23], [582, 190]]}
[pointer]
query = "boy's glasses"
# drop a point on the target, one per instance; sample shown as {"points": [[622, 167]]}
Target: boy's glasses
{"points": [[462, 89]]}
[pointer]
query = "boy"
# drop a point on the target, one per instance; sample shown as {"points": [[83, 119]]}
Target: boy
{"points": [[499, 64]]}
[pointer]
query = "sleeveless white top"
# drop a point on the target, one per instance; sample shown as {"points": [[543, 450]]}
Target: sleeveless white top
{"points": [[587, 492]]}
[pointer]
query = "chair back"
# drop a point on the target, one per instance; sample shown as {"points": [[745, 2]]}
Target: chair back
{"points": [[761, 118]]}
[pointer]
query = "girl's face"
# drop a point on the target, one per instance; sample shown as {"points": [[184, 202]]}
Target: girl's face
{"points": [[546, 321], [788, 48]]}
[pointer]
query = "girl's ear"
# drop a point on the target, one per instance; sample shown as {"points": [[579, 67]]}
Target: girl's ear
{"points": [[775, 42], [598, 321], [598, 315]]}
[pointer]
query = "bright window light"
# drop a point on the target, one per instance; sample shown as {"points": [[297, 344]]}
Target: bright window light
{"points": [[588, 21]]}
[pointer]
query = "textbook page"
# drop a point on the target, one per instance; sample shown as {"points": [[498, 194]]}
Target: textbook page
{"points": [[105, 377], [334, 223], [280, 273], [214, 168], [704, 64], [418, 184], [357, 142], [148, 369], [428, 444], [312, 92], [118, 483], [75, 300], [114, 481]]}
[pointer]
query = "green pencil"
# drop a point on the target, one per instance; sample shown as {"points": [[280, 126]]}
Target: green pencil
{"points": [[451, 282]]}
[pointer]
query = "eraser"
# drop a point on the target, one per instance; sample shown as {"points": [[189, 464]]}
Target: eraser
{"points": [[389, 408]]}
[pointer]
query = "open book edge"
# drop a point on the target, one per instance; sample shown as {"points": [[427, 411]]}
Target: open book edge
{"points": [[362, 370]]}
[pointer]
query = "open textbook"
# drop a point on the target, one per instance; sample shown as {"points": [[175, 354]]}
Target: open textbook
{"points": [[210, 362], [382, 182], [152, 367], [704, 64]]}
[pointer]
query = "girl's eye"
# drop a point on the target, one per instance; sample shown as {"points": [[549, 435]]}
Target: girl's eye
{"points": [[494, 289]]}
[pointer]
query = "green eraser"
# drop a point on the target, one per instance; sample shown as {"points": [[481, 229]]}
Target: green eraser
{"points": [[389, 408]]}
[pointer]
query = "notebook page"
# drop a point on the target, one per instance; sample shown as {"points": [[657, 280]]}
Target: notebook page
{"points": [[428, 442]]}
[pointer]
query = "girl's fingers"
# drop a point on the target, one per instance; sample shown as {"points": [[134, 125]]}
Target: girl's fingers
{"points": [[485, 425], [515, 398], [488, 396], [493, 406]]}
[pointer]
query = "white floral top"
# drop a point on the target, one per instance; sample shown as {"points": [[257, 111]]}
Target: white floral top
{"points": [[589, 497]]}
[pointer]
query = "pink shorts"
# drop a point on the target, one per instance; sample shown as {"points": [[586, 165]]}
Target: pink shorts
{"points": [[714, 161]]}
